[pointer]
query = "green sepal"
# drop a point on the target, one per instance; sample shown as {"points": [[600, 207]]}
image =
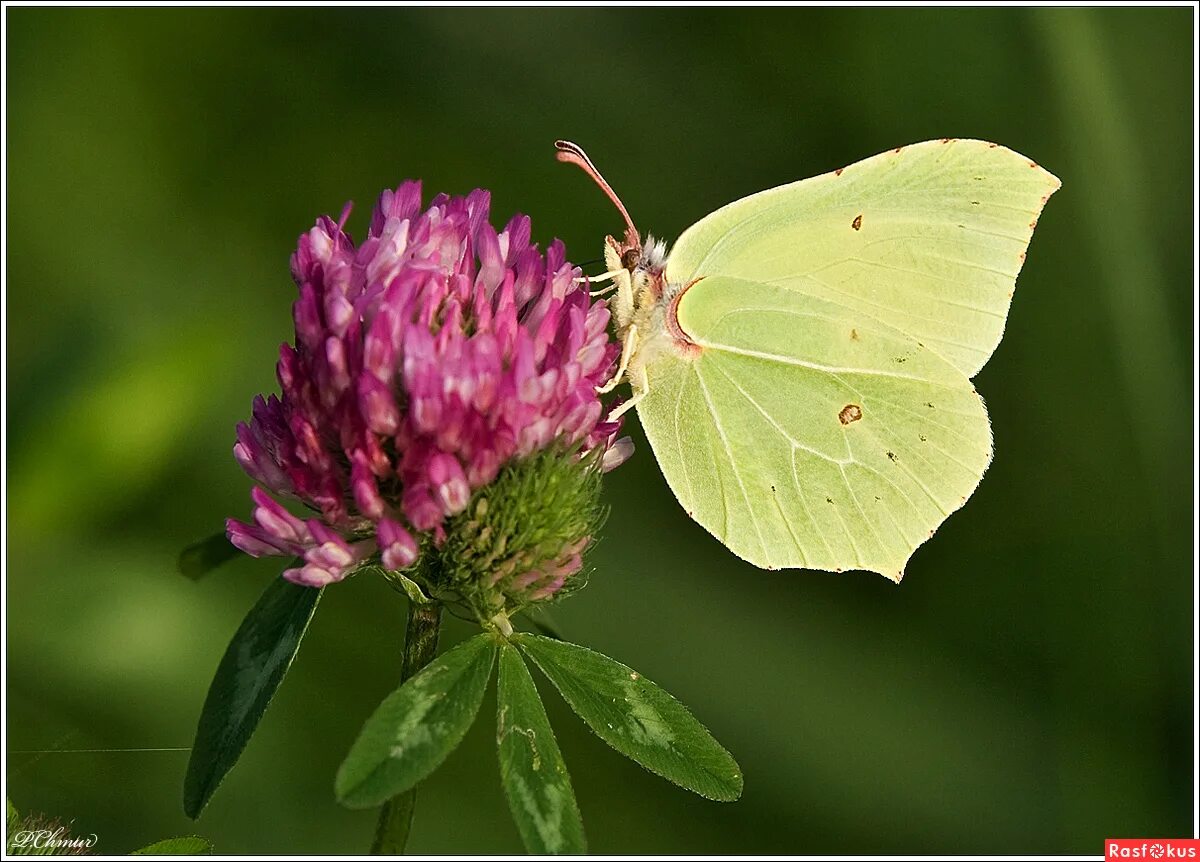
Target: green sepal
{"points": [[411, 588]]}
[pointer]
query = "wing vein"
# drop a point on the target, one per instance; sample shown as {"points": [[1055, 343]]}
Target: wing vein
{"points": [[804, 505], [795, 539], [958, 262], [919, 416], [679, 442], [861, 511], [893, 310], [899, 462], [858, 560], [796, 444], [903, 494], [813, 366], [732, 463], [881, 265]]}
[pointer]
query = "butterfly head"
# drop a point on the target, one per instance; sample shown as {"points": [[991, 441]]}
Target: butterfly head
{"points": [[643, 304], [642, 263], [639, 258]]}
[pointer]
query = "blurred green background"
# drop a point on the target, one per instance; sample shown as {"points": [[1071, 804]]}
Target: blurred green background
{"points": [[1026, 690]]}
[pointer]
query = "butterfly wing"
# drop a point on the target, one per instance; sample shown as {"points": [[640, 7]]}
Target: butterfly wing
{"points": [[927, 239], [808, 436], [829, 421]]}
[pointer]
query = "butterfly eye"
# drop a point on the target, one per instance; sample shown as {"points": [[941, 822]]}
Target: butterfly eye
{"points": [[631, 258]]}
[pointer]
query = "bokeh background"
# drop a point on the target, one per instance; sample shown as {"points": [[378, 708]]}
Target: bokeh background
{"points": [[1026, 690]]}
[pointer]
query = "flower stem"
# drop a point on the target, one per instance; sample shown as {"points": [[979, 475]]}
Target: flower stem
{"points": [[420, 646]]}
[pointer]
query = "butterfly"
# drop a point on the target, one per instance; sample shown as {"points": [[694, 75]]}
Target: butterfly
{"points": [[801, 359]]}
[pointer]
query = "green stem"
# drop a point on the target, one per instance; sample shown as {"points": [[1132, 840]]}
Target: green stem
{"points": [[420, 646]]}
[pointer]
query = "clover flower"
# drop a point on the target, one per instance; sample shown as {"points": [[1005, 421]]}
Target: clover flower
{"points": [[427, 361]]}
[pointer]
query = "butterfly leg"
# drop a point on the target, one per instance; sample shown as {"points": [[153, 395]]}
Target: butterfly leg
{"points": [[628, 346], [640, 382], [623, 304], [604, 276]]}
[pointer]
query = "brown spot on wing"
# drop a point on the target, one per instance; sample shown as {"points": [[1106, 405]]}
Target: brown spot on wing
{"points": [[838, 172], [854, 335], [857, 223], [850, 413]]}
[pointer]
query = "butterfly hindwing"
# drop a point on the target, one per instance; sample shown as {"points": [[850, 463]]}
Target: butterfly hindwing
{"points": [[807, 435]]}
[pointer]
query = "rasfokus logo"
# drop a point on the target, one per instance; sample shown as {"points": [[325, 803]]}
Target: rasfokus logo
{"points": [[1151, 848]]}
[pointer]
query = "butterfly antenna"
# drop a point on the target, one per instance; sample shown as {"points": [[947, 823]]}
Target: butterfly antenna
{"points": [[574, 154]]}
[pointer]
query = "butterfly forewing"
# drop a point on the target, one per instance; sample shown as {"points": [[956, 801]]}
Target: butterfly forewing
{"points": [[927, 239]]}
